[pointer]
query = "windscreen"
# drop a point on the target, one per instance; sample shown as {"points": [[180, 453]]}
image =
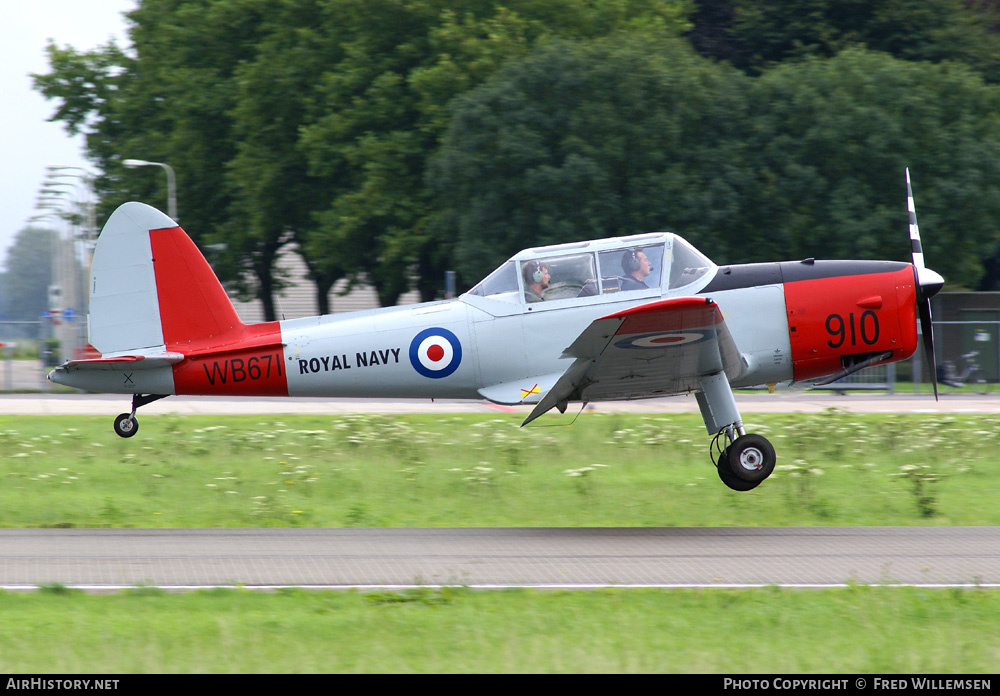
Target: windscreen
{"points": [[688, 264], [502, 281]]}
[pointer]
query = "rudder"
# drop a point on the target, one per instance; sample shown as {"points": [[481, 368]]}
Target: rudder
{"points": [[152, 289]]}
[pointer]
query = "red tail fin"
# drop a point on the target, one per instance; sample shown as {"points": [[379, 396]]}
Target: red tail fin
{"points": [[195, 311]]}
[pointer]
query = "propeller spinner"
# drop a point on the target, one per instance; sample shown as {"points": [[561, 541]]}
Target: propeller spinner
{"points": [[928, 284]]}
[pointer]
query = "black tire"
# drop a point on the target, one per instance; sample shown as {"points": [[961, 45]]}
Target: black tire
{"points": [[751, 458], [731, 479], [126, 425]]}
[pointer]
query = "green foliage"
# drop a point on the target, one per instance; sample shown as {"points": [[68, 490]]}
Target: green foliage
{"points": [[616, 136], [767, 34], [305, 121], [56, 588], [582, 140], [168, 98], [27, 275], [387, 141], [830, 142], [451, 470], [382, 111], [852, 630]]}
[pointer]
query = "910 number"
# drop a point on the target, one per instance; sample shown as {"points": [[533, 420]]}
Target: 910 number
{"points": [[839, 330]]}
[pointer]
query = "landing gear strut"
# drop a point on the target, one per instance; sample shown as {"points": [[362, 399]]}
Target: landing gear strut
{"points": [[126, 424]]}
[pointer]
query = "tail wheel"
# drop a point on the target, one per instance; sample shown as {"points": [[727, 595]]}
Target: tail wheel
{"points": [[126, 425], [751, 458]]}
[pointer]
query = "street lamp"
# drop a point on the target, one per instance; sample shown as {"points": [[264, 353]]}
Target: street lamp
{"points": [[63, 291], [171, 183], [57, 192], [84, 194]]}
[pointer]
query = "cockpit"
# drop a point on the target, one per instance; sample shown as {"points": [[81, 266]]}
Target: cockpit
{"points": [[648, 263]]}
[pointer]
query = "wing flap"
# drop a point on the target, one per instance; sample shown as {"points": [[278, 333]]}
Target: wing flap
{"points": [[655, 349]]}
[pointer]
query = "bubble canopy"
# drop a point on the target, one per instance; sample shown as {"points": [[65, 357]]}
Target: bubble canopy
{"points": [[609, 266]]}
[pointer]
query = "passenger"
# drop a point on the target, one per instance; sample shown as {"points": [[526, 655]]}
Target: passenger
{"points": [[536, 280], [637, 268]]}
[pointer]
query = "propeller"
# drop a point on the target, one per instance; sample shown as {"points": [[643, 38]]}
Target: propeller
{"points": [[928, 284]]}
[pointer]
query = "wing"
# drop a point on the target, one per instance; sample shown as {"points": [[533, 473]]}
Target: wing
{"points": [[656, 349]]}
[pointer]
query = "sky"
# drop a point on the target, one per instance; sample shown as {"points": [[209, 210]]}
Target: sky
{"points": [[28, 141]]}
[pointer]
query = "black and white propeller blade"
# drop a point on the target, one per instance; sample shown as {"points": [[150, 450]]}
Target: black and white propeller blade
{"points": [[928, 284]]}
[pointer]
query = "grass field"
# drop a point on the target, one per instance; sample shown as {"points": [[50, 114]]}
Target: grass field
{"points": [[851, 630], [833, 468], [606, 470]]}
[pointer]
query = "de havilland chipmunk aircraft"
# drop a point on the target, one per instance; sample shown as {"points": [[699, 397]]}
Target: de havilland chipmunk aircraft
{"points": [[631, 317]]}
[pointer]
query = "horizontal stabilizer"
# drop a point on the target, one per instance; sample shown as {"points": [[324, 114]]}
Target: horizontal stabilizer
{"points": [[135, 362]]}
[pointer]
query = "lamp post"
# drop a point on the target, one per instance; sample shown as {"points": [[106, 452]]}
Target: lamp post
{"points": [[47, 329], [171, 183], [68, 193], [62, 295], [86, 199]]}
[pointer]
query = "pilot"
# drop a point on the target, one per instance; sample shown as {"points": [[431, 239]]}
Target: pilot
{"points": [[536, 280], [637, 268]]}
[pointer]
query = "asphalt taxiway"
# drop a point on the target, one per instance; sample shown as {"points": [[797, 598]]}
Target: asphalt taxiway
{"points": [[41, 404], [492, 558]]}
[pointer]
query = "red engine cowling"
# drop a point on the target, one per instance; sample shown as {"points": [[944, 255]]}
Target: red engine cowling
{"points": [[839, 320]]}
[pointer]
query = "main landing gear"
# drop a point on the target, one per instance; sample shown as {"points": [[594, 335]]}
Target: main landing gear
{"points": [[126, 424], [743, 460]]}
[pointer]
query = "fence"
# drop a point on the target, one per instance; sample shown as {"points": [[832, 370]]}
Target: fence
{"points": [[964, 350], [16, 375]]}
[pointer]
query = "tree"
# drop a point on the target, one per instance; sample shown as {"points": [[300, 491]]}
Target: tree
{"points": [[273, 194], [168, 98], [758, 35], [593, 139], [306, 120], [830, 142], [712, 33], [382, 113], [614, 137], [28, 275]]}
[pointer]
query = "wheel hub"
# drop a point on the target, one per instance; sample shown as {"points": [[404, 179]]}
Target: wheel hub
{"points": [[751, 459]]}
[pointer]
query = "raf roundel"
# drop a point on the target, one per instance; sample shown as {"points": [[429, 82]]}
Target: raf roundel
{"points": [[435, 353], [667, 339]]}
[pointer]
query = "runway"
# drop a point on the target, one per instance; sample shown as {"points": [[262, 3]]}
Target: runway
{"points": [[41, 404], [588, 558]]}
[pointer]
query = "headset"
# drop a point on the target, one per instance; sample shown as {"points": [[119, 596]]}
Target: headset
{"points": [[533, 271], [630, 261]]}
